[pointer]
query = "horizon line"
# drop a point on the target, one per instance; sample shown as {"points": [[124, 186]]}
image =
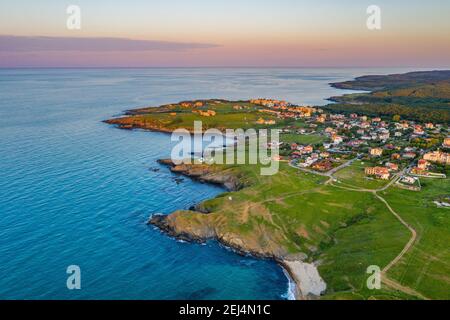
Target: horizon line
{"points": [[217, 67]]}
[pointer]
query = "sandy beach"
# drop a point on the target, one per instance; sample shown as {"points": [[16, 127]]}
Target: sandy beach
{"points": [[309, 284]]}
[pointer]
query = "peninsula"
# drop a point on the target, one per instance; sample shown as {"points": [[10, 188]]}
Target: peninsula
{"points": [[355, 189]]}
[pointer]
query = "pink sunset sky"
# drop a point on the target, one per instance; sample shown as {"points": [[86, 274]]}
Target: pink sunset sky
{"points": [[178, 33]]}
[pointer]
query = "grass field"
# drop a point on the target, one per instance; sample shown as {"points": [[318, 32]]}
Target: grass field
{"points": [[295, 213], [426, 268]]}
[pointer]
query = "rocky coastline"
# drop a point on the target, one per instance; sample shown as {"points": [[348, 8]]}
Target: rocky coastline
{"points": [[308, 284]]}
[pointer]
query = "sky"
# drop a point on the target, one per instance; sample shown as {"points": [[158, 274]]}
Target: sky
{"points": [[201, 33]]}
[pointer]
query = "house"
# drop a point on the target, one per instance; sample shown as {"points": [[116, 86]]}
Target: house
{"points": [[268, 122], [337, 139], [409, 155], [446, 143], [418, 130], [355, 143], [376, 119], [437, 156], [429, 125], [296, 154], [422, 164], [207, 113], [418, 171], [376, 152], [392, 166], [325, 154], [379, 172], [383, 135], [404, 125], [329, 130], [395, 156], [323, 165], [409, 180], [308, 149], [364, 125], [321, 118]]}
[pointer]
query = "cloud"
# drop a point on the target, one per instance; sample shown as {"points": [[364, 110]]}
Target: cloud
{"points": [[10, 43]]}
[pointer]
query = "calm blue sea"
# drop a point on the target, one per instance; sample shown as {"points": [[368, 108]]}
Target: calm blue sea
{"points": [[74, 190]]}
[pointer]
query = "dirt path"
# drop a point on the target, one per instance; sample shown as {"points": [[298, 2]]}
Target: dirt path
{"points": [[411, 240], [385, 279]]}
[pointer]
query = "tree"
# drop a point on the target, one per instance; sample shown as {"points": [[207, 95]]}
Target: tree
{"points": [[396, 117]]}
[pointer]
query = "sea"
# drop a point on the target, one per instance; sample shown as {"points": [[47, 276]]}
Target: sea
{"points": [[75, 191]]}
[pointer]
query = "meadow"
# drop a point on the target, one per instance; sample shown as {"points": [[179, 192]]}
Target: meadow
{"points": [[297, 214]]}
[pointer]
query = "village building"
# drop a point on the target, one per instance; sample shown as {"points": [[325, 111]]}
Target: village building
{"points": [[379, 172], [392, 166], [321, 119], [324, 154], [422, 164], [308, 149], [364, 125], [323, 165], [446, 143], [409, 155], [437, 156], [355, 143], [418, 171], [268, 122], [418, 130], [409, 180], [384, 135], [337, 139], [207, 113], [376, 152]]}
